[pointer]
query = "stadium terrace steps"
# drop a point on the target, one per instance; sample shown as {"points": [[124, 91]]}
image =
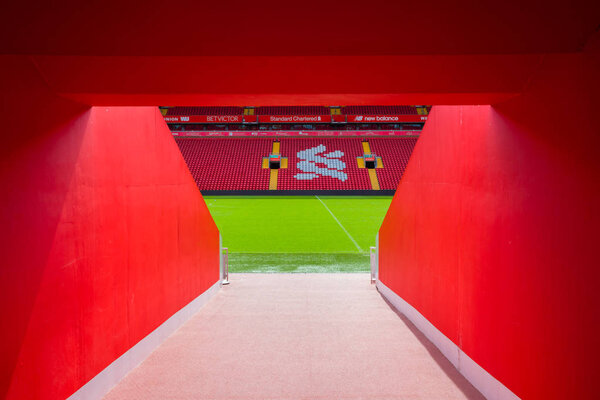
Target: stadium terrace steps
{"points": [[372, 173], [373, 179], [276, 147], [308, 164], [273, 179], [274, 172], [366, 147], [422, 110]]}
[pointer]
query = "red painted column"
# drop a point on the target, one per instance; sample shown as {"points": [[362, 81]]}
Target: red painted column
{"points": [[104, 235], [493, 232]]}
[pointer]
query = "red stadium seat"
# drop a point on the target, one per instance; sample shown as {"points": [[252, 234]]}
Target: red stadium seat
{"points": [[394, 153], [313, 163], [227, 163], [379, 110], [293, 110], [174, 111], [356, 178]]}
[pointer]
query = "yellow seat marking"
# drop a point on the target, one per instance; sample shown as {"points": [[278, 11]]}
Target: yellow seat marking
{"points": [[373, 179], [372, 172], [273, 179]]}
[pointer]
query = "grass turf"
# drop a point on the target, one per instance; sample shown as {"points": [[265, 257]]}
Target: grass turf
{"points": [[298, 233]]}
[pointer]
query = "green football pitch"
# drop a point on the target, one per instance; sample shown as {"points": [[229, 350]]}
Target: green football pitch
{"points": [[298, 233]]}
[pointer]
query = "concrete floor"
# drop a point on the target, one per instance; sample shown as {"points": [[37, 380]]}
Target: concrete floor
{"points": [[296, 336]]}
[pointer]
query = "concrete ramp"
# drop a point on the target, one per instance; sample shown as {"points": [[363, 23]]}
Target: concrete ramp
{"points": [[296, 336]]}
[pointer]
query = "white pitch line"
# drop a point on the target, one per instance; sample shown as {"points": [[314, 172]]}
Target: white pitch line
{"points": [[340, 224]]}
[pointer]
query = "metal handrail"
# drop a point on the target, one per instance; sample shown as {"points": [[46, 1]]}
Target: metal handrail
{"points": [[225, 256], [374, 266]]}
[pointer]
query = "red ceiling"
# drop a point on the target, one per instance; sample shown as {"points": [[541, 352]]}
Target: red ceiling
{"points": [[281, 52], [307, 27]]}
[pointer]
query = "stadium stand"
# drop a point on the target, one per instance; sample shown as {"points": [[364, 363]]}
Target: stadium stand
{"points": [[379, 110], [394, 154], [307, 169], [227, 163], [174, 111], [323, 163], [293, 110]]}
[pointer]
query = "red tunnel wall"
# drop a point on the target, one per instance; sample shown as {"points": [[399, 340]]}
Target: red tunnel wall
{"points": [[105, 235], [493, 232]]}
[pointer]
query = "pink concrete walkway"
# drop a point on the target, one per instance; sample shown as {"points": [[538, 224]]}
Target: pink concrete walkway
{"points": [[296, 336]]}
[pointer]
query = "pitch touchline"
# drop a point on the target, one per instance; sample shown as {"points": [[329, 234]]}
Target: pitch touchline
{"points": [[340, 224]]}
